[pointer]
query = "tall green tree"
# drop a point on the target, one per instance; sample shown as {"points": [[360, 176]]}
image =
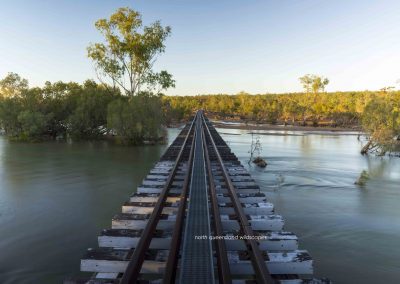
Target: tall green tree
{"points": [[12, 85], [129, 51], [313, 83]]}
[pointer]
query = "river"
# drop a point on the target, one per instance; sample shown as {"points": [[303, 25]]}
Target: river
{"points": [[56, 197]]}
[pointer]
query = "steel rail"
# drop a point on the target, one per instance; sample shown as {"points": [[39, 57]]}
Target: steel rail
{"points": [[224, 273], [257, 259], [172, 262], [132, 271]]}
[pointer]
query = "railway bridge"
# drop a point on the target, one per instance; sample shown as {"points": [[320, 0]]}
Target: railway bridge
{"points": [[198, 217]]}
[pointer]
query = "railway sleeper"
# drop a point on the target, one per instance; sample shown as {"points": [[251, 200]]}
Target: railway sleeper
{"points": [[109, 260], [222, 197], [268, 241], [139, 221]]}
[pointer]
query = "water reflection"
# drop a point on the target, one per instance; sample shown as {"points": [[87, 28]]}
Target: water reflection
{"points": [[346, 228], [55, 198]]}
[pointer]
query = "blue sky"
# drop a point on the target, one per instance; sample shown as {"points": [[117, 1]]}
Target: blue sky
{"points": [[217, 46]]}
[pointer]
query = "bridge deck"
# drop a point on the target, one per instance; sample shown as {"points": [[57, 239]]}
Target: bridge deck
{"points": [[197, 260]]}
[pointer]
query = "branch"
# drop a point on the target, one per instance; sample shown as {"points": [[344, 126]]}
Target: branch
{"points": [[104, 83]]}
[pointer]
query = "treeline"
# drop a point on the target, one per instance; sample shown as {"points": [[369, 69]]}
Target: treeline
{"points": [[122, 110], [97, 111], [80, 111], [340, 108], [375, 112]]}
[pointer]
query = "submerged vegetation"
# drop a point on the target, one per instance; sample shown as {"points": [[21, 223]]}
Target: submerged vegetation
{"points": [[128, 103], [80, 111], [93, 111], [255, 152], [381, 120], [362, 179]]}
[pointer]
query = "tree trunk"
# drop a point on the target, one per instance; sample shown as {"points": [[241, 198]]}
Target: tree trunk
{"points": [[366, 148]]}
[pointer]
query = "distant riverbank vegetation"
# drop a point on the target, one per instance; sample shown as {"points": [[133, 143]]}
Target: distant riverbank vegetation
{"points": [[96, 111], [377, 113], [128, 106]]}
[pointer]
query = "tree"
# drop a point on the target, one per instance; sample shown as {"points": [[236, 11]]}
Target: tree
{"points": [[136, 119], [60, 100], [290, 109], [381, 121], [12, 85], [255, 147], [9, 111], [313, 83], [387, 89], [33, 124], [129, 52], [89, 119]]}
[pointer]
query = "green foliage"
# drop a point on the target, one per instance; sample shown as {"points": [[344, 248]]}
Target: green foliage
{"points": [[377, 112], [91, 111], [89, 118], [381, 120], [81, 112], [136, 119], [23, 115], [129, 52], [33, 124], [362, 179], [12, 85], [313, 83], [9, 111], [339, 109]]}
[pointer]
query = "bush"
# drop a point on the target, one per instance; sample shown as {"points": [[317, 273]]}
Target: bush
{"points": [[136, 119]]}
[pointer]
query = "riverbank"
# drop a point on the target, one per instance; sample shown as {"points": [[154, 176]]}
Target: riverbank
{"points": [[253, 126]]}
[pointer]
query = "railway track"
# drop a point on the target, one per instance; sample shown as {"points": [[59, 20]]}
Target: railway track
{"points": [[198, 217]]}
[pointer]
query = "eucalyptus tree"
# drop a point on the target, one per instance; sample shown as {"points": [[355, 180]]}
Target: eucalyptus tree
{"points": [[313, 83], [126, 57]]}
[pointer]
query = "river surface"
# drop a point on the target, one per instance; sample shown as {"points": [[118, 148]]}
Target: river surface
{"points": [[56, 197]]}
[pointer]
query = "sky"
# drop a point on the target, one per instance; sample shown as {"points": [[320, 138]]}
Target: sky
{"points": [[216, 46]]}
